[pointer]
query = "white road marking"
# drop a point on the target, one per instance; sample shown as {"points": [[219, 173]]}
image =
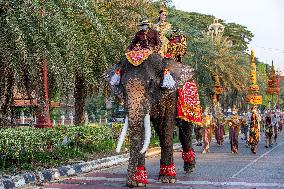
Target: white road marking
{"points": [[201, 182], [254, 161]]}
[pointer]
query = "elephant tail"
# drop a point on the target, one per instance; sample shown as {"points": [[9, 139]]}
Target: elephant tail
{"points": [[147, 127], [122, 135]]}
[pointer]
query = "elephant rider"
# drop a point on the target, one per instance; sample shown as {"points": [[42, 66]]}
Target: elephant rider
{"points": [[145, 42], [146, 38], [177, 45], [163, 28]]}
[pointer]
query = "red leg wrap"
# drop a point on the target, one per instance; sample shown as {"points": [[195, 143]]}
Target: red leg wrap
{"points": [[188, 156], [168, 170], [140, 175]]}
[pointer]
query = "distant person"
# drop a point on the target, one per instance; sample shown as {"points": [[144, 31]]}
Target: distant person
{"points": [[268, 130], [254, 132], [219, 128], [198, 134], [233, 124], [207, 121], [275, 127]]}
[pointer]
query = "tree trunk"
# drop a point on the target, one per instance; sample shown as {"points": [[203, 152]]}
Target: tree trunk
{"points": [[7, 84], [80, 98]]}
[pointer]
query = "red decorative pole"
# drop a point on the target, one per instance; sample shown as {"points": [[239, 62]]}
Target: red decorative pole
{"points": [[279, 75], [43, 117]]}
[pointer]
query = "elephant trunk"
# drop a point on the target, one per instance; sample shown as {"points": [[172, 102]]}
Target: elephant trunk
{"points": [[147, 128], [122, 135]]}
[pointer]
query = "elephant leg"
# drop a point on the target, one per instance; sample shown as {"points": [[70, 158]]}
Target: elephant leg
{"points": [[185, 137], [164, 126], [136, 111]]}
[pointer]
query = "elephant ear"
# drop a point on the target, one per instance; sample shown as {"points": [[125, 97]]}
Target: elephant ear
{"points": [[116, 89], [180, 72]]}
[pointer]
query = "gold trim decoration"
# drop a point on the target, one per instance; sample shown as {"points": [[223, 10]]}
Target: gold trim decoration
{"points": [[136, 57]]}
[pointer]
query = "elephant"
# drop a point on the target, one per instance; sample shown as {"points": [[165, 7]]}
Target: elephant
{"points": [[145, 100]]}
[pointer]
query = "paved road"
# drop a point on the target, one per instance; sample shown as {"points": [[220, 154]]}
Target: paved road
{"points": [[218, 169]]}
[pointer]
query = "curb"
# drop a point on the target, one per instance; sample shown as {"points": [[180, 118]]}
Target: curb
{"points": [[24, 179]]}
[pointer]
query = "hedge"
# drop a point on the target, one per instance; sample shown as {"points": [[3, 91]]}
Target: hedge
{"points": [[22, 146]]}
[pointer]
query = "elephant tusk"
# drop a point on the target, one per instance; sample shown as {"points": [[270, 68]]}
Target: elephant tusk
{"points": [[147, 133], [122, 135]]}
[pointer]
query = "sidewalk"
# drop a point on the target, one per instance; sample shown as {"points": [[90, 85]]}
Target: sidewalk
{"points": [[22, 180], [61, 172]]}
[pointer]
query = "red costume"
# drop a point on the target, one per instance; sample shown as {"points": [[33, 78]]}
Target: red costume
{"points": [[188, 105], [145, 39]]}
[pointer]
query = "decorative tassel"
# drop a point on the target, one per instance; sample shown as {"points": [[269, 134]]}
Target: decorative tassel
{"points": [[168, 81], [188, 156], [140, 175], [168, 170], [115, 79]]}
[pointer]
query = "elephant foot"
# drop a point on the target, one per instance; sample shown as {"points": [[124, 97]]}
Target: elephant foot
{"points": [[167, 179], [189, 166], [167, 174], [133, 183], [189, 160], [139, 179]]}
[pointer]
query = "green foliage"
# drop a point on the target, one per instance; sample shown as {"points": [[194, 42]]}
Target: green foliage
{"points": [[215, 56], [96, 106], [32, 146], [29, 148], [83, 36], [86, 37]]}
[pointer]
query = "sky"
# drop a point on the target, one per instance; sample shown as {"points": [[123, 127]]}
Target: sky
{"points": [[264, 18]]}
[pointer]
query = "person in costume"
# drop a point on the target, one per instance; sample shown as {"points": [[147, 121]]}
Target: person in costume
{"points": [[198, 134], [280, 122], [207, 121], [233, 124], [275, 122], [246, 128], [177, 45], [243, 126], [219, 128], [254, 132], [268, 130], [145, 38], [164, 29]]}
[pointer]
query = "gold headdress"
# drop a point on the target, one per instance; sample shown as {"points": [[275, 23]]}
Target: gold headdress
{"points": [[144, 21], [254, 109], [164, 9], [234, 110]]}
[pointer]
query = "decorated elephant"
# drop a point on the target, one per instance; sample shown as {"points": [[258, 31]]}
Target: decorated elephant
{"points": [[145, 100]]}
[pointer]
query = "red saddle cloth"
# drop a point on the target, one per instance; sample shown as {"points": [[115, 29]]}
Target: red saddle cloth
{"points": [[136, 57], [188, 104]]}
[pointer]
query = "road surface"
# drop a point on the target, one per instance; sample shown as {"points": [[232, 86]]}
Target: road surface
{"points": [[217, 169]]}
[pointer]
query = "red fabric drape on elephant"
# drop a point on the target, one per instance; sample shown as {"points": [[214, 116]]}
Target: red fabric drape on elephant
{"points": [[188, 104]]}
